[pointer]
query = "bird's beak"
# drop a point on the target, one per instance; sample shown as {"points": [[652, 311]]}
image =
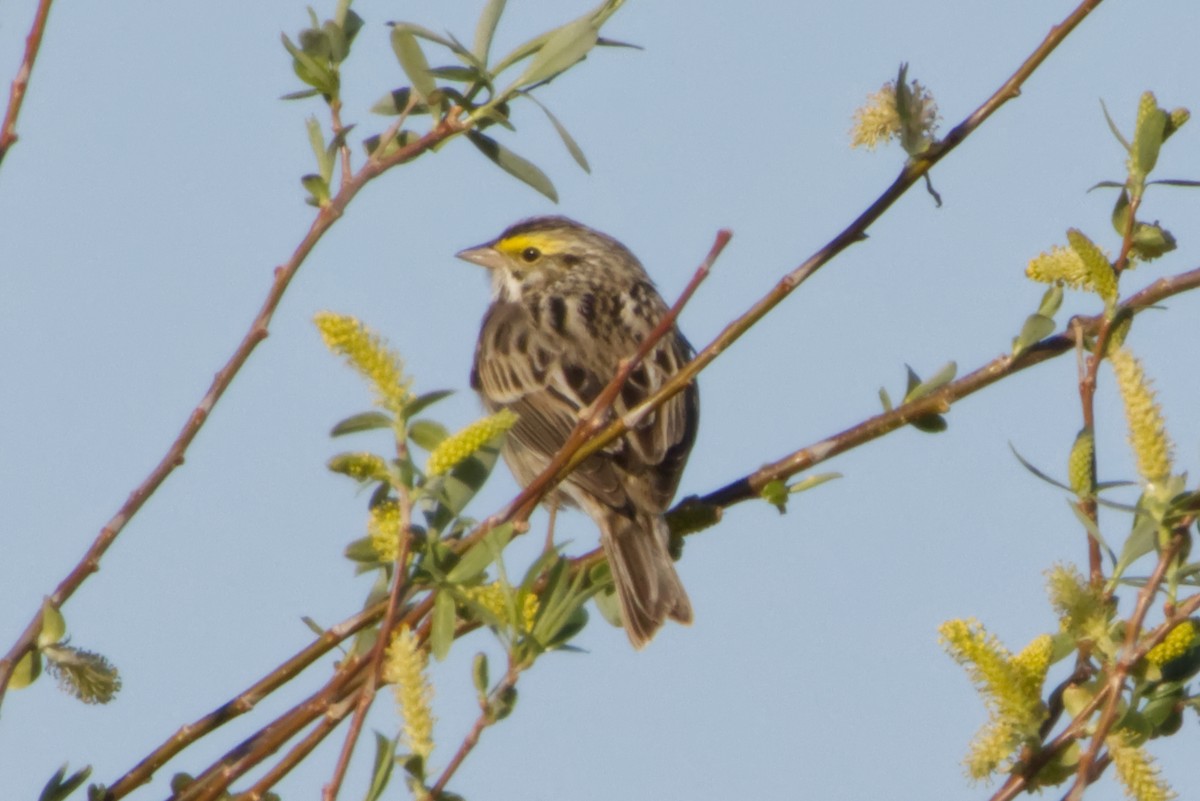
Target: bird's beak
{"points": [[483, 255]]}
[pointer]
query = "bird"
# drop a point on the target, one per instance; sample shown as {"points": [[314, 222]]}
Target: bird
{"points": [[568, 304]]}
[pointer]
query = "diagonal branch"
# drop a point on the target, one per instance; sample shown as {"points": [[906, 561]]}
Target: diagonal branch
{"points": [[20, 83], [325, 219]]}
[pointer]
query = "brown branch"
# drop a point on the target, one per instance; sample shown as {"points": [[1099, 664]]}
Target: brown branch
{"points": [[20, 83], [748, 487], [243, 703], [326, 217], [366, 693]]}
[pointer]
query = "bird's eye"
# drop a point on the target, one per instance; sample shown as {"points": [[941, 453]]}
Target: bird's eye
{"points": [[530, 255]]}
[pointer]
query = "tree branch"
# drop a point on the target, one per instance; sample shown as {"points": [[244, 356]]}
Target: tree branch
{"points": [[16, 95]]}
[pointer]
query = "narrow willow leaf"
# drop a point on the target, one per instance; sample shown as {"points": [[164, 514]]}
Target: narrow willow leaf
{"points": [[565, 47], [1112, 126], [412, 60], [1028, 466], [312, 625], [425, 400], [427, 433], [317, 140], [485, 29], [479, 675], [385, 760], [317, 187], [919, 389], [1175, 182], [1051, 301], [514, 165], [441, 630], [300, 95], [479, 556], [455, 73], [605, 42], [61, 786], [366, 421], [567, 139], [1140, 542], [885, 399], [1037, 327]]}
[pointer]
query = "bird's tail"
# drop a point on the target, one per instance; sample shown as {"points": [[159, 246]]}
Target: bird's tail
{"points": [[647, 585]]}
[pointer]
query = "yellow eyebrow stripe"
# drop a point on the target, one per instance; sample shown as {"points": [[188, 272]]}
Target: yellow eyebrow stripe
{"points": [[546, 243]]}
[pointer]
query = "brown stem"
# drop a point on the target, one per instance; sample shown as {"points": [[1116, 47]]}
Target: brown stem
{"points": [[366, 693], [748, 487], [1129, 657], [20, 83], [326, 217], [486, 718]]}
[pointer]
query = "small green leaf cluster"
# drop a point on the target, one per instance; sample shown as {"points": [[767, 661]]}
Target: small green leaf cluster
{"points": [[88, 676], [917, 388], [473, 85]]}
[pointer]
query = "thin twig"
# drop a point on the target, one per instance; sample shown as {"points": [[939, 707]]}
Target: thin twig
{"points": [[366, 693], [20, 83], [487, 717]]}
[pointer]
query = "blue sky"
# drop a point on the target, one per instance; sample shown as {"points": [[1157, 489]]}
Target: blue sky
{"points": [[156, 186]]}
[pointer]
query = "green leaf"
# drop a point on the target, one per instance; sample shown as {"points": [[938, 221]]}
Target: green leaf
{"points": [[427, 433], [300, 94], [312, 625], [385, 760], [885, 399], [456, 489], [455, 73], [397, 102], [776, 494], [479, 676], [366, 421], [441, 630], [1091, 528], [361, 550], [920, 389], [472, 563], [310, 70], [571, 145], [1140, 542], [1037, 327], [316, 140], [514, 165], [1028, 466], [54, 627], [412, 60], [1051, 301], [1151, 241], [485, 29], [57, 789], [1120, 213], [318, 188], [565, 47], [425, 400], [930, 424], [28, 668], [1112, 126]]}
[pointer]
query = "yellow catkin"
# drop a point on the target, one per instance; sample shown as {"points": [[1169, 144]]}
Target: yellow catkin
{"points": [[405, 669], [360, 466], [1010, 686], [493, 597], [1082, 610], [383, 527], [458, 447], [878, 120], [1136, 770], [1059, 264], [1147, 430], [369, 355], [1181, 640]]}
